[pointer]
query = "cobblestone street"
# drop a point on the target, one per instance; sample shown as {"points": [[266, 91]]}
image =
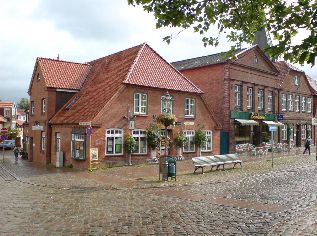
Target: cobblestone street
{"points": [[254, 200]]}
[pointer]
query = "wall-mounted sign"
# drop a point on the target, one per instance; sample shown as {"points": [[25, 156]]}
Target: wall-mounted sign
{"points": [[94, 154], [314, 121], [189, 123], [37, 127], [85, 123], [257, 116], [178, 123]]}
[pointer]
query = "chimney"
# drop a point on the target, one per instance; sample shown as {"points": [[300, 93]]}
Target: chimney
{"points": [[260, 39], [58, 56]]}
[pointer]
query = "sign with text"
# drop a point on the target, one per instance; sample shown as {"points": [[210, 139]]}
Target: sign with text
{"points": [[85, 123], [314, 121], [272, 128], [94, 154]]}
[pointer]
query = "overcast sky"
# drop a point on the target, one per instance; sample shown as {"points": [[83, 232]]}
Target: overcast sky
{"points": [[80, 31]]}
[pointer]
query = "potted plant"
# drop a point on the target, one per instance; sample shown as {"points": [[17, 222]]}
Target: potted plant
{"points": [[179, 141], [153, 139], [166, 119], [200, 139], [129, 144]]}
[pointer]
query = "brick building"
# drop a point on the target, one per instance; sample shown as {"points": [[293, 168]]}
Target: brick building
{"points": [[122, 94], [52, 84], [243, 93], [295, 104], [8, 114]]}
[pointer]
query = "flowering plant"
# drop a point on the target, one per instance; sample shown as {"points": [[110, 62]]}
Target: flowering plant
{"points": [[166, 119]]}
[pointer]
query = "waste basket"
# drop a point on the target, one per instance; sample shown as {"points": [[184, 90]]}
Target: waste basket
{"points": [[171, 167]]}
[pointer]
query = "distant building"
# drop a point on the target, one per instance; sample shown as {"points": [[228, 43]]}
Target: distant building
{"points": [[8, 112]]}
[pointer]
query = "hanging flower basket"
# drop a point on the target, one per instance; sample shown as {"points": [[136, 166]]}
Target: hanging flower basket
{"points": [[166, 119]]}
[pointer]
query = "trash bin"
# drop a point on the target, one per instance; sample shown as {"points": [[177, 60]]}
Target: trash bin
{"points": [[171, 167]]}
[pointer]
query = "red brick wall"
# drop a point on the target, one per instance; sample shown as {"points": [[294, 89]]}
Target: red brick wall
{"points": [[112, 116]]}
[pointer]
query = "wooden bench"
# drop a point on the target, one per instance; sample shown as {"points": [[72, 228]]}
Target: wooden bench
{"points": [[215, 161]]}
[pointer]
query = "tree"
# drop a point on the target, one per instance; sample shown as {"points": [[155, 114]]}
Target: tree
{"points": [[240, 19], [23, 104]]}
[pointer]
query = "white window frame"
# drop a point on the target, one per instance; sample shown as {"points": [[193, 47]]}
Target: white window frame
{"points": [[284, 132], [43, 140], [290, 102], [208, 145], [189, 134], [303, 131], [303, 101], [140, 103], [283, 102], [238, 95], [297, 103], [250, 98], [309, 105], [270, 101], [190, 106], [138, 134], [165, 104], [261, 99], [116, 135], [296, 80], [43, 105], [32, 108], [78, 138]]}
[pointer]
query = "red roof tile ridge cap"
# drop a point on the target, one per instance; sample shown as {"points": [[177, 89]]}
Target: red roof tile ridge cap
{"points": [[59, 60]]}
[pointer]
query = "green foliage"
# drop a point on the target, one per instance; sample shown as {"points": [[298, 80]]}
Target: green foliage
{"points": [[153, 136], [240, 19], [166, 119], [180, 139], [129, 143], [12, 134], [23, 104], [200, 138]]}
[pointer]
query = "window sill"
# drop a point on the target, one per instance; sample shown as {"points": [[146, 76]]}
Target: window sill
{"points": [[189, 117], [141, 115]]}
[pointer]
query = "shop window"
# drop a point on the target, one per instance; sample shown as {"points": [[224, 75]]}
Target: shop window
{"points": [[261, 100], [208, 145], [140, 137], [297, 103], [250, 98], [238, 96], [43, 140], [114, 142], [140, 103], [189, 107], [303, 104], [189, 145], [303, 131], [79, 146], [290, 102]]}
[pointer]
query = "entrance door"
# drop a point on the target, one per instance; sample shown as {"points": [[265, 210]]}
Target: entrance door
{"points": [[224, 142], [298, 137]]}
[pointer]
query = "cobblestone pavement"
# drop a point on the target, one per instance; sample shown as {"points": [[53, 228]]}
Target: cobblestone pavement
{"points": [[254, 200]]}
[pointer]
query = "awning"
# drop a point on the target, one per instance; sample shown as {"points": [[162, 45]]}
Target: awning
{"points": [[247, 122], [268, 122]]}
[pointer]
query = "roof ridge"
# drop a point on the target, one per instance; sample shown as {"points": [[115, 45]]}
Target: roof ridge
{"points": [[58, 60], [134, 62]]}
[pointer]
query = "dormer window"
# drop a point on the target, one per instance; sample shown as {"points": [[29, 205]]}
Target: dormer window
{"points": [[296, 80]]}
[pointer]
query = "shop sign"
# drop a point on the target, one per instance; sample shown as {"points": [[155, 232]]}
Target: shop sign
{"points": [[85, 123], [37, 127], [280, 117], [314, 121], [189, 123], [257, 116], [247, 115]]}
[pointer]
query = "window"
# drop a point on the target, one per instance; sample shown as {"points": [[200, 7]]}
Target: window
{"points": [[140, 137], [309, 131], [78, 146], [284, 132], [309, 101], [297, 103], [140, 103], [290, 102], [270, 101], [303, 104], [256, 60], [189, 145], [250, 98], [32, 108], [283, 105], [261, 100], [189, 107], [43, 138], [208, 144], [114, 142], [238, 96], [43, 105], [58, 142], [291, 131], [166, 105], [7, 112], [303, 131], [296, 80]]}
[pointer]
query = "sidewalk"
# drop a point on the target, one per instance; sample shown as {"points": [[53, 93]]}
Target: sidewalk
{"points": [[147, 175]]}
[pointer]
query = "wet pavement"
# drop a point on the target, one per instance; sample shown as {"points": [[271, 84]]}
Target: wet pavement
{"points": [[253, 200]]}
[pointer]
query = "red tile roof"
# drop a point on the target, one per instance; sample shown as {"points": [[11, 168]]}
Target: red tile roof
{"points": [[6, 104], [139, 65], [313, 84], [61, 74], [284, 69]]}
